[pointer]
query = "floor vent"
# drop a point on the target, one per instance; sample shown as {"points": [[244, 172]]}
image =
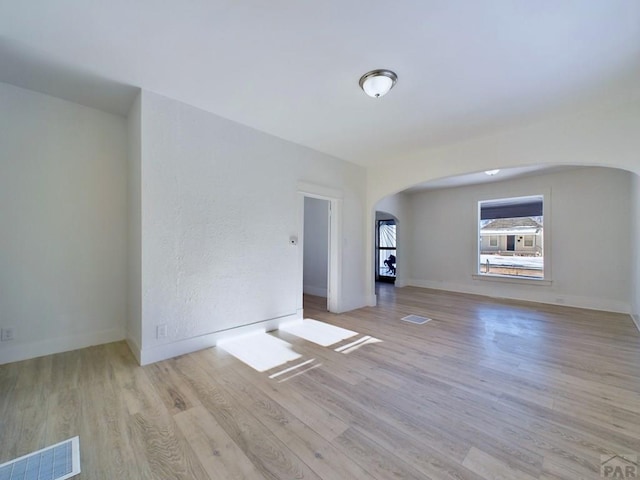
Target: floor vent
{"points": [[418, 320], [57, 462]]}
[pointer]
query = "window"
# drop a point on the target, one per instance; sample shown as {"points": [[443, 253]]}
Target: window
{"points": [[511, 238]]}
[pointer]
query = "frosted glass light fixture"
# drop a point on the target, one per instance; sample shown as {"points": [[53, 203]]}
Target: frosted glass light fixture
{"points": [[377, 83], [491, 173]]}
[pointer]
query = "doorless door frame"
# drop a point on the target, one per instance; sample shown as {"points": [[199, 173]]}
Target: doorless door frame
{"points": [[334, 273]]}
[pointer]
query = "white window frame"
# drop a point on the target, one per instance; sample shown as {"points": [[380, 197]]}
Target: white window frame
{"points": [[546, 235]]}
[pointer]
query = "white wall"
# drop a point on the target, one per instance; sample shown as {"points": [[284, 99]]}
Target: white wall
{"points": [[316, 246], [589, 231], [63, 221], [134, 241], [219, 203], [635, 249], [607, 137]]}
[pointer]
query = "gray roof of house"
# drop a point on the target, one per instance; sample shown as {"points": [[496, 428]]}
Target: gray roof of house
{"points": [[512, 224]]}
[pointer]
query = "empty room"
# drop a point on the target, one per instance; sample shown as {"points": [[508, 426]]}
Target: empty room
{"points": [[319, 240]]}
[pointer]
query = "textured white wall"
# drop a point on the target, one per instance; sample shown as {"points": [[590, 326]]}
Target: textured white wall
{"points": [[316, 246], [63, 221], [589, 228], [219, 203], [635, 249]]}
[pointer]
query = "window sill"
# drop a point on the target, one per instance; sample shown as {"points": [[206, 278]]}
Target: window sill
{"points": [[508, 279]]}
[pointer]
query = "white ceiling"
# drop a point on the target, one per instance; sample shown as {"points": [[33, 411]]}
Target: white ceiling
{"points": [[291, 68]]}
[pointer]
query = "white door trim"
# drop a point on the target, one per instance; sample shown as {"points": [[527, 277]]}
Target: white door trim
{"points": [[334, 277]]}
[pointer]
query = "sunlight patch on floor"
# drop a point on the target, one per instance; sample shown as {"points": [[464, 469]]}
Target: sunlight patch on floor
{"points": [[259, 350], [295, 370], [320, 333], [361, 342], [290, 369]]}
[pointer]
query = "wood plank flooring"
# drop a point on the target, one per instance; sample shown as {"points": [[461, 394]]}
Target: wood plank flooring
{"points": [[488, 389]]}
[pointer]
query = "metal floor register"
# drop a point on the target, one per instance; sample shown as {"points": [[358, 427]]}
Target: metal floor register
{"points": [[57, 462]]}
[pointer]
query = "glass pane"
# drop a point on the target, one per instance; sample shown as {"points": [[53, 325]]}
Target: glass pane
{"points": [[518, 250], [387, 262], [387, 236]]}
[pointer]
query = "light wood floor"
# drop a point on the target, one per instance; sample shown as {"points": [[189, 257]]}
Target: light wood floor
{"points": [[487, 389]]}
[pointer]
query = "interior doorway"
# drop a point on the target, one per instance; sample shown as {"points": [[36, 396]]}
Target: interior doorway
{"points": [[330, 208], [316, 240]]}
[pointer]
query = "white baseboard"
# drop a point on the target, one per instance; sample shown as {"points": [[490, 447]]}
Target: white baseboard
{"points": [[165, 351], [317, 291], [134, 347], [498, 290], [16, 352]]}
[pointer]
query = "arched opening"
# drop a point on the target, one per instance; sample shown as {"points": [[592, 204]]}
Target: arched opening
{"points": [[589, 266]]}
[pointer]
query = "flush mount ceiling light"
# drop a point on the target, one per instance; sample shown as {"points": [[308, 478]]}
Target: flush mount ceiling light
{"points": [[377, 83], [491, 173]]}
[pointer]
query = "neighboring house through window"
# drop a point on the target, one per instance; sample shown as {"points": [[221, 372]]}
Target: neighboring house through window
{"points": [[511, 237]]}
